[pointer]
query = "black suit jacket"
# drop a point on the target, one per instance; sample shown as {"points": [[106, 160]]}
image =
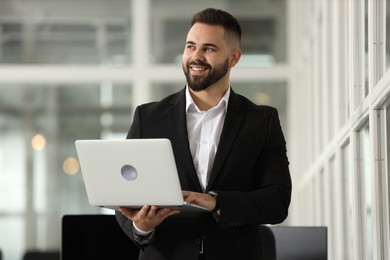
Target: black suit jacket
{"points": [[250, 174]]}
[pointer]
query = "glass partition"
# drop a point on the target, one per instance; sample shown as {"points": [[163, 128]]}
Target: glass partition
{"points": [[347, 195], [387, 128], [160, 91], [366, 57], [365, 191], [387, 34], [263, 25], [38, 162], [272, 93], [58, 32]]}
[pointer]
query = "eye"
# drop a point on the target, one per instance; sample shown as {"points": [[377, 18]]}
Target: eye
{"points": [[190, 47], [209, 49]]}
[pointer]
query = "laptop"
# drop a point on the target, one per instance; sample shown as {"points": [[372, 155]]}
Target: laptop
{"points": [[131, 173]]}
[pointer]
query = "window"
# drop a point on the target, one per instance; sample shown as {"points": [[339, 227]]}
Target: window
{"points": [[387, 34], [263, 25], [63, 35], [273, 93], [387, 128], [38, 127], [365, 191], [366, 55], [347, 188]]}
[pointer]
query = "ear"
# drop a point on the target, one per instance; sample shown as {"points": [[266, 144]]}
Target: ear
{"points": [[235, 57]]}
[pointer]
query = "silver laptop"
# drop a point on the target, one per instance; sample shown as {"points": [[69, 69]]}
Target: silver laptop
{"points": [[131, 173]]}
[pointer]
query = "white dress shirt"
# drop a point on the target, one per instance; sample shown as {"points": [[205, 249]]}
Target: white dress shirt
{"points": [[204, 131]]}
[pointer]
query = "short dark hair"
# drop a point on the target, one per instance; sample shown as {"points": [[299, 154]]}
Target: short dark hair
{"points": [[213, 16]]}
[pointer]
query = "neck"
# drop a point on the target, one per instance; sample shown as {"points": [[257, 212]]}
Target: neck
{"points": [[209, 97]]}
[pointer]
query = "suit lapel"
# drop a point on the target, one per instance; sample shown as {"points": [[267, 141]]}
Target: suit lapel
{"points": [[177, 115], [231, 128]]}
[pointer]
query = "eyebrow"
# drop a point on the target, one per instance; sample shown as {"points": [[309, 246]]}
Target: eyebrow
{"points": [[204, 44]]}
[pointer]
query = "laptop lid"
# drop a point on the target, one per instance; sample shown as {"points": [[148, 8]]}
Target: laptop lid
{"points": [[130, 173]]}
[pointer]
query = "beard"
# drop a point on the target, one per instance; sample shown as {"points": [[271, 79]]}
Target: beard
{"points": [[199, 83]]}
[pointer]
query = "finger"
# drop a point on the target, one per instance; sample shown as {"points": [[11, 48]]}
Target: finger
{"points": [[143, 211], [135, 214], [185, 193], [154, 217], [151, 212], [129, 213], [191, 197], [163, 213]]}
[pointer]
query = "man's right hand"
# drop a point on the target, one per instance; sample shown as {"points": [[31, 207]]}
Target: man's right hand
{"points": [[148, 217]]}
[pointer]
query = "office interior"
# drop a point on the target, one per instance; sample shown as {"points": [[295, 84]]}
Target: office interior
{"points": [[77, 69]]}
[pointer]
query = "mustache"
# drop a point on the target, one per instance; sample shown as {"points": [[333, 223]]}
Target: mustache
{"points": [[200, 63]]}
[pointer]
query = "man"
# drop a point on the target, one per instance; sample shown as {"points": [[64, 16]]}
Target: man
{"points": [[230, 155]]}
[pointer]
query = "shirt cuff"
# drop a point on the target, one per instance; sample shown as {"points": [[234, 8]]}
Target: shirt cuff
{"points": [[140, 232]]}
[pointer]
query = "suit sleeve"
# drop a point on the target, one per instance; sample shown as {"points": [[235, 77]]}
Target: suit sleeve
{"points": [[267, 201]]}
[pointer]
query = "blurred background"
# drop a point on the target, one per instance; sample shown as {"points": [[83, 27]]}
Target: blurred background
{"points": [[77, 69]]}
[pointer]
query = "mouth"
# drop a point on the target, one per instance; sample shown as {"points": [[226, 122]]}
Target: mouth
{"points": [[198, 68]]}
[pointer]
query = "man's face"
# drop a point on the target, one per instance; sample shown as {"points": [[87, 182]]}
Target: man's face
{"points": [[206, 56]]}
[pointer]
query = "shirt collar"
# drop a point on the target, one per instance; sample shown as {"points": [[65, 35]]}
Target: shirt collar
{"points": [[190, 102]]}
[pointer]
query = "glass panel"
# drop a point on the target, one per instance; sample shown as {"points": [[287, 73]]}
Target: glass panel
{"points": [[388, 152], [38, 127], [58, 33], [343, 92], [366, 60], [118, 44], [12, 239], [331, 202], [318, 198], [10, 43], [388, 34], [321, 197], [12, 152], [366, 191], [263, 24], [160, 91], [347, 190], [266, 93], [62, 43]]}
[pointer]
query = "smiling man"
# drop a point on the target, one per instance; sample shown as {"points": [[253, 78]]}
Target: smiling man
{"points": [[208, 56], [230, 155]]}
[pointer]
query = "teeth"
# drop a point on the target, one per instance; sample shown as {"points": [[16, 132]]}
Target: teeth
{"points": [[199, 69]]}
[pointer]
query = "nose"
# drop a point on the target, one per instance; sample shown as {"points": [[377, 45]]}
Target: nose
{"points": [[197, 55]]}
